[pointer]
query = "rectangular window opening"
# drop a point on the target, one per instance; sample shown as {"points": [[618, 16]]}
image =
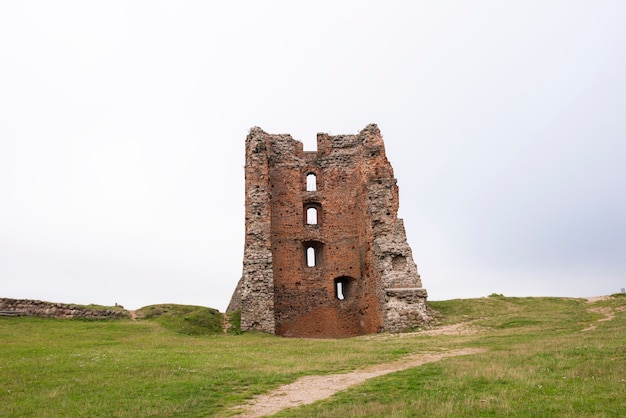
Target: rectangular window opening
{"points": [[311, 182], [310, 257], [311, 216]]}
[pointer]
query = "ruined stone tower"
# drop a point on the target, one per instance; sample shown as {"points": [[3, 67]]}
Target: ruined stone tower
{"points": [[325, 254]]}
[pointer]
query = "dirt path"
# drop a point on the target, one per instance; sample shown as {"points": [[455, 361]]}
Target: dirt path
{"points": [[309, 389]]}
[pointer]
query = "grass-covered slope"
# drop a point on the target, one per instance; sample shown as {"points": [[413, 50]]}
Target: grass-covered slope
{"points": [[539, 362], [184, 319]]}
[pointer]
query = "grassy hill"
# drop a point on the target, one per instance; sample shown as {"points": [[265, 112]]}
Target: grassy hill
{"points": [[545, 357], [185, 319]]}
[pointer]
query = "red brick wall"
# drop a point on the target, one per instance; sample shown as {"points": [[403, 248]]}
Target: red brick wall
{"points": [[305, 298]]}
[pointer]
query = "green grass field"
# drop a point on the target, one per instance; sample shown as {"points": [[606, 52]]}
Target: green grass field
{"points": [[171, 362]]}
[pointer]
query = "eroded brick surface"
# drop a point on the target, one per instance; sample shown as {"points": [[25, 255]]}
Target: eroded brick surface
{"points": [[364, 279]]}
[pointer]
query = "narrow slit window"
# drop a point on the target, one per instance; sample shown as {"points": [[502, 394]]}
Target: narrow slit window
{"points": [[343, 287], [339, 290], [311, 182], [311, 216], [310, 257]]}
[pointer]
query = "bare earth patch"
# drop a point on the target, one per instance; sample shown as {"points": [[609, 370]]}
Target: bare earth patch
{"points": [[592, 299], [604, 310], [310, 389], [462, 328]]}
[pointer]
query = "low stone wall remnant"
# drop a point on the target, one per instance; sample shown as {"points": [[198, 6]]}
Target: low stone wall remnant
{"points": [[26, 307]]}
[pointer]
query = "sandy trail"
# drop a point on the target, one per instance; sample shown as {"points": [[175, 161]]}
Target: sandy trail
{"points": [[309, 389]]}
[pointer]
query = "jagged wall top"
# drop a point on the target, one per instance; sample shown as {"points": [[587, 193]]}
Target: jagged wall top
{"points": [[283, 147]]}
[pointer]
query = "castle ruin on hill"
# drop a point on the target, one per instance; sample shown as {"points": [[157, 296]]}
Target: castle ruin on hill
{"points": [[325, 253]]}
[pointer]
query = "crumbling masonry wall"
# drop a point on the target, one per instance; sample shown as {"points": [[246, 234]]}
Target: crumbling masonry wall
{"points": [[325, 254], [27, 307]]}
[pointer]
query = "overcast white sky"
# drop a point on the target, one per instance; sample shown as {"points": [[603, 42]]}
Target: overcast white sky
{"points": [[122, 127]]}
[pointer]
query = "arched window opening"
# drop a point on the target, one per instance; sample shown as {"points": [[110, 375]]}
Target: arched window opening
{"points": [[310, 257], [313, 253], [311, 182], [343, 287], [311, 216]]}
